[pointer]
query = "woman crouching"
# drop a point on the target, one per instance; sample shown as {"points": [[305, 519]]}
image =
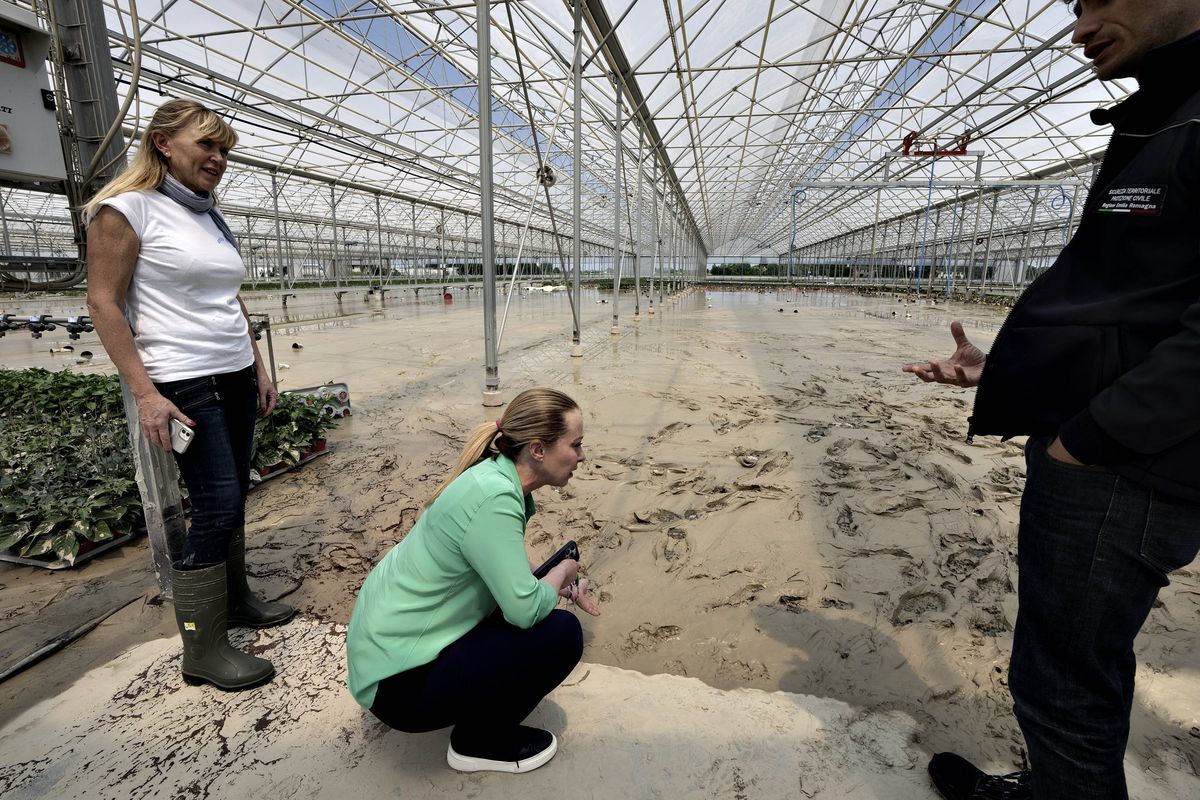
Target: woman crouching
{"points": [[425, 649]]}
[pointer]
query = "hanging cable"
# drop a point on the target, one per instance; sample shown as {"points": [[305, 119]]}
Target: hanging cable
{"points": [[803, 195], [1056, 203], [525, 230], [541, 171]]}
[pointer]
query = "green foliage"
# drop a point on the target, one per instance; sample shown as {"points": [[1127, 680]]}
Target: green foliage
{"points": [[297, 422], [745, 269], [66, 474], [66, 470]]}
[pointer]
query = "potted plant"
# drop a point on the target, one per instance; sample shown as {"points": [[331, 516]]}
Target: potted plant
{"points": [[294, 431]]}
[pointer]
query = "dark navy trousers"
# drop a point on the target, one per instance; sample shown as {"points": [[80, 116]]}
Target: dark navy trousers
{"points": [[1094, 551], [485, 683]]}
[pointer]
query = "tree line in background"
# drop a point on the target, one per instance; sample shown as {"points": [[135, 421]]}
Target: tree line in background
{"points": [[745, 269]]}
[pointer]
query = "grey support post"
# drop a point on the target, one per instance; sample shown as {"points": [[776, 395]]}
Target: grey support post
{"points": [[487, 235], [637, 246], [577, 168], [618, 191]]}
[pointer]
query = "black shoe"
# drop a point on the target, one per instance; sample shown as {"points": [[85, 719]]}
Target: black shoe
{"points": [[524, 750], [959, 779]]}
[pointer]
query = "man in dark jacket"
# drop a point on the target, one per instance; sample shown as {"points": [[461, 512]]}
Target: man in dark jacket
{"points": [[1099, 364]]}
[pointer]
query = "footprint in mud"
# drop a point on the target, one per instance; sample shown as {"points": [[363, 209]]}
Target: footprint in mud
{"points": [[749, 458], [720, 501], [962, 563], [917, 603], [652, 518], [647, 638], [941, 477], [693, 482], [891, 505], [723, 425], [785, 403], [671, 551], [606, 467], [1003, 481], [845, 521], [816, 433], [737, 499], [742, 671], [955, 453], [835, 602], [793, 602], [777, 462], [674, 397], [990, 621], [826, 647], [809, 389], [993, 587], [747, 594], [765, 491], [862, 454], [854, 460], [608, 537], [667, 432]]}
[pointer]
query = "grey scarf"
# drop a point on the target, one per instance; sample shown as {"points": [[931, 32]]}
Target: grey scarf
{"points": [[200, 202]]}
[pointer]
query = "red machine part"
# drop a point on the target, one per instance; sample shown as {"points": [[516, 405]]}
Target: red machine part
{"points": [[913, 145]]}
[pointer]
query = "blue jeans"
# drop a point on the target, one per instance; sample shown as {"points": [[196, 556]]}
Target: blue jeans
{"points": [[1094, 551], [216, 466]]}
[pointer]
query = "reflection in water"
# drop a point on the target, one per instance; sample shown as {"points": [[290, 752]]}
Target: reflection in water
{"points": [[321, 309], [921, 313]]}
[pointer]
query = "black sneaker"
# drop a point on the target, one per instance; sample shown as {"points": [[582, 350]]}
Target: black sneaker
{"points": [[959, 779], [524, 750]]}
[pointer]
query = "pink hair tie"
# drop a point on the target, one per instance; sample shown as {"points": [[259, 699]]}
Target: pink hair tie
{"points": [[497, 424]]}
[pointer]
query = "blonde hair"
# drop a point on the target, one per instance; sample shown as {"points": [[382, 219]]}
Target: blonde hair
{"points": [[149, 166], [535, 414]]}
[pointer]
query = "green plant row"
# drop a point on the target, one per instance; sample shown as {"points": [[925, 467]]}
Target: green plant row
{"points": [[296, 424], [66, 471]]}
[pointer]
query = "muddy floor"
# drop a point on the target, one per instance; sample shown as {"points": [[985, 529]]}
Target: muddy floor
{"points": [[768, 503]]}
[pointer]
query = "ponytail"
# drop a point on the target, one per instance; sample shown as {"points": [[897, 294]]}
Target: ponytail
{"points": [[533, 414]]}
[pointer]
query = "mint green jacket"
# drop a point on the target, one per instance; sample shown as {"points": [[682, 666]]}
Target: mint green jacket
{"points": [[465, 556]]}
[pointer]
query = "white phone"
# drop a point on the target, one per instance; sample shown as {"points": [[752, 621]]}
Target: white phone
{"points": [[181, 436]]}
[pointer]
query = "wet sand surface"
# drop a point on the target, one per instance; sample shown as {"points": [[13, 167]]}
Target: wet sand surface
{"points": [[768, 504]]}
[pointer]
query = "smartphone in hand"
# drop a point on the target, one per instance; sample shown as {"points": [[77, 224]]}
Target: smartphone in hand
{"points": [[568, 550], [181, 436]]}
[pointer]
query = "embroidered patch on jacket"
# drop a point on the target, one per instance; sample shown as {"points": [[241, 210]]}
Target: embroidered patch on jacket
{"points": [[1141, 200]]}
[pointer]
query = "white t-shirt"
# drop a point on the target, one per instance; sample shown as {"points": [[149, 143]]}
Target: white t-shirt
{"points": [[182, 302]]}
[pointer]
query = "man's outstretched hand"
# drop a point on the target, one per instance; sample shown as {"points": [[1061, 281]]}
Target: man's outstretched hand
{"points": [[962, 368]]}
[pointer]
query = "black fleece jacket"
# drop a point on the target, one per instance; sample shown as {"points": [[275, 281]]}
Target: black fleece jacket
{"points": [[1104, 348]]}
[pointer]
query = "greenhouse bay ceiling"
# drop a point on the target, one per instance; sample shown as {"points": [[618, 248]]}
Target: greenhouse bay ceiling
{"points": [[729, 106]]}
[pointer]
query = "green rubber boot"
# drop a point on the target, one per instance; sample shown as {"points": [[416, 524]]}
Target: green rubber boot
{"points": [[246, 610], [200, 611]]}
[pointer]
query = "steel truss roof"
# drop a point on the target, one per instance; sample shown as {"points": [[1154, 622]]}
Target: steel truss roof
{"points": [[741, 100]]}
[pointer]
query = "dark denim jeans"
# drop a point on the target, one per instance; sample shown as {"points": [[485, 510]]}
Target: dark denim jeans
{"points": [[216, 466], [1094, 551], [485, 683]]}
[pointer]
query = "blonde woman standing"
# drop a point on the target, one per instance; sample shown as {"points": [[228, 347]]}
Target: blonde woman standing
{"points": [[425, 648], [164, 272]]}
